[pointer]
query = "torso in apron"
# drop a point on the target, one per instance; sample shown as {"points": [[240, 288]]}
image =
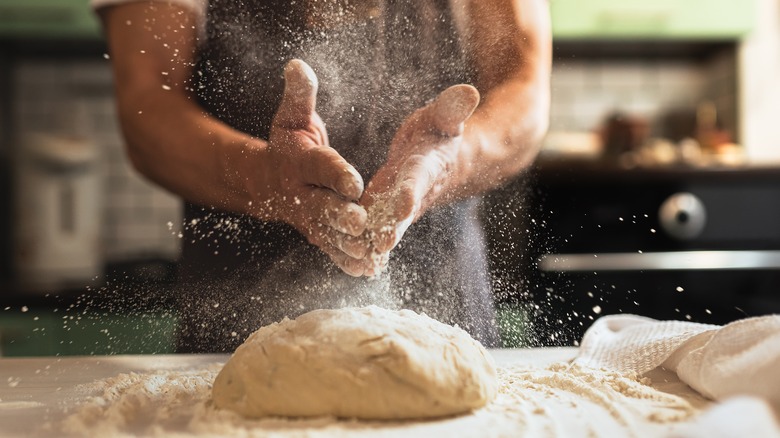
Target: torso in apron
{"points": [[376, 63]]}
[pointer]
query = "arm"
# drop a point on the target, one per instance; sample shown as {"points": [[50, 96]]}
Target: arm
{"points": [[170, 139], [510, 44], [173, 142], [456, 146]]}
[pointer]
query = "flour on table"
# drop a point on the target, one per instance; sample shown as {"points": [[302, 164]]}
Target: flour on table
{"points": [[363, 362], [140, 403], [19, 405], [553, 401]]}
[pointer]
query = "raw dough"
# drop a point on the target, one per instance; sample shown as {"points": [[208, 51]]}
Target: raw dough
{"points": [[368, 363]]}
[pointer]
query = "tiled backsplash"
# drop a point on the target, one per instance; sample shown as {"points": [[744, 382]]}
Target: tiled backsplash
{"points": [[585, 92], [75, 98]]}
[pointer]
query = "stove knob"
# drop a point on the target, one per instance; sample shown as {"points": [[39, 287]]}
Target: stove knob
{"points": [[683, 216]]}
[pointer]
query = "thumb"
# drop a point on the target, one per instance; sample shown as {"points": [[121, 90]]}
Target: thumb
{"points": [[300, 95], [452, 107]]}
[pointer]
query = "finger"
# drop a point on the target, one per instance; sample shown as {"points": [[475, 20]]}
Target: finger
{"points": [[323, 242], [452, 107], [340, 260], [300, 96], [401, 206], [386, 239], [389, 236], [382, 182], [344, 216], [390, 210], [338, 223], [378, 262], [324, 167], [359, 265], [355, 247], [343, 261]]}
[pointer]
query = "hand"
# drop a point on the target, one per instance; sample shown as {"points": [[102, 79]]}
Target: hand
{"points": [[308, 184], [420, 162]]}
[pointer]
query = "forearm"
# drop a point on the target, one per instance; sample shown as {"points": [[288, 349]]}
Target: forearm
{"points": [[174, 143], [169, 138], [511, 51], [501, 139]]}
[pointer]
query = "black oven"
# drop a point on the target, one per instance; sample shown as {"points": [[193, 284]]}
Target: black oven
{"points": [[668, 243]]}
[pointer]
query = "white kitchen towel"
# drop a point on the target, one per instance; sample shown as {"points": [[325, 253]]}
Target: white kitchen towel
{"points": [[740, 358]]}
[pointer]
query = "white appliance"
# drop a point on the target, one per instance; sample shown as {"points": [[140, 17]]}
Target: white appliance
{"points": [[57, 214]]}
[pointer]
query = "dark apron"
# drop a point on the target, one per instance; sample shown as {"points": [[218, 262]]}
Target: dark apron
{"points": [[374, 68]]}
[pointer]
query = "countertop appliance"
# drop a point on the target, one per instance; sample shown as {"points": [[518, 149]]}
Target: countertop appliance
{"points": [[57, 212]]}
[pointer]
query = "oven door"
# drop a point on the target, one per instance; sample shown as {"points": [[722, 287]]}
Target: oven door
{"points": [[698, 245]]}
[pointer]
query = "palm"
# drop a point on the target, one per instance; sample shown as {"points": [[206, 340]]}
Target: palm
{"points": [[313, 188], [421, 157]]}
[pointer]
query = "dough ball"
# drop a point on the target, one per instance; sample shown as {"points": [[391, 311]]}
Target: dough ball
{"points": [[367, 362]]}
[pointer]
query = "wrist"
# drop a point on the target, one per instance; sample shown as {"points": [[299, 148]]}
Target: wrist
{"points": [[245, 167]]}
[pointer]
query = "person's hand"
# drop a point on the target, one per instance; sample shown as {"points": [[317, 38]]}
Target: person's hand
{"points": [[420, 162], [308, 184]]}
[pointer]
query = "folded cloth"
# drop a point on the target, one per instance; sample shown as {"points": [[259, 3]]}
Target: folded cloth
{"points": [[740, 358]]}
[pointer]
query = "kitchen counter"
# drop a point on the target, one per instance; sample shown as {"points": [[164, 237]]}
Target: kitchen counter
{"points": [[37, 393], [101, 319], [34, 390]]}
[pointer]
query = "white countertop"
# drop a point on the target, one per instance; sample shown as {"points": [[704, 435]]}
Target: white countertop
{"points": [[36, 391]]}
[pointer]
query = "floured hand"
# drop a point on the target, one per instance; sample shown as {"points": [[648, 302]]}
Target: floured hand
{"points": [[313, 188], [420, 162]]}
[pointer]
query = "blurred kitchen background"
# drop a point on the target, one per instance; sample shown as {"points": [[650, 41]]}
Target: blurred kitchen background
{"points": [[664, 142]]}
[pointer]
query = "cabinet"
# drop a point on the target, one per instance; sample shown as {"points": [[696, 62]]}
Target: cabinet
{"points": [[47, 333], [42, 19], [659, 19], [571, 19]]}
